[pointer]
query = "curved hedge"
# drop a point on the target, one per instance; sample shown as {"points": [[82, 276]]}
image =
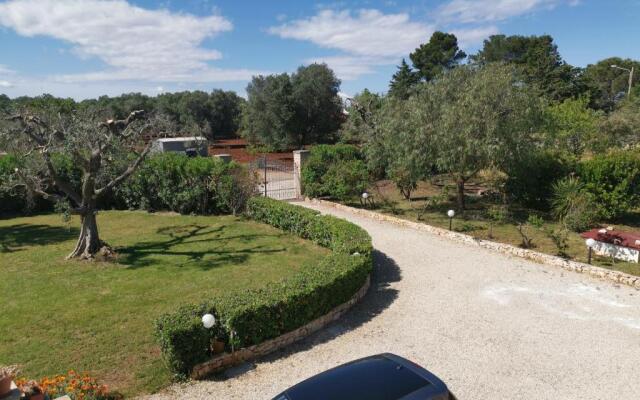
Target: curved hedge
{"points": [[253, 316]]}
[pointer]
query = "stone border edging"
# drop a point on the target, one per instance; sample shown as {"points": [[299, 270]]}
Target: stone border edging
{"points": [[569, 265], [226, 360]]}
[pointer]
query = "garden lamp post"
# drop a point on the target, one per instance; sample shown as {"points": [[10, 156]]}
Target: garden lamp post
{"points": [[208, 320], [630, 71], [365, 197], [451, 214], [590, 243]]}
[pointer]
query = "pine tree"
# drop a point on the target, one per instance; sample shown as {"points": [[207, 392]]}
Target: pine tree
{"points": [[403, 81]]}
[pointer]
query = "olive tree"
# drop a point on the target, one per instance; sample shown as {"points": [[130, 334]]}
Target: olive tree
{"points": [[487, 117], [95, 143]]}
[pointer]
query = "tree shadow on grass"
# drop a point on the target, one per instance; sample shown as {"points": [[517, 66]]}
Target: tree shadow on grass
{"points": [[220, 250], [380, 296], [17, 237]]}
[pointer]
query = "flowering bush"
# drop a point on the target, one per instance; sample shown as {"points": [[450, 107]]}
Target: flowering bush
{"points": [[75, 385]]}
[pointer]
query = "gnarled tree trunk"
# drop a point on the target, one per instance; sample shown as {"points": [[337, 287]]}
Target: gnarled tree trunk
{"points": [[89, 240]]}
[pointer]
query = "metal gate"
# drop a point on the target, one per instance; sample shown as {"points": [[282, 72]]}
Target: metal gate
{"points": [[275, 178]]}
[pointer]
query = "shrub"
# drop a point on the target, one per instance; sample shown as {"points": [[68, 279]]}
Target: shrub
{"points": [[614, 181], [533, 221], [235, 188], [175, 182], [253, 316], [406, 180], [18, 199], [531, 178], [573, 206], [346, 179], [335, 171]]}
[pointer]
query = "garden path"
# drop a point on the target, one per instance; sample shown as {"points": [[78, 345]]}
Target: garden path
{"points": [[491, 326]]}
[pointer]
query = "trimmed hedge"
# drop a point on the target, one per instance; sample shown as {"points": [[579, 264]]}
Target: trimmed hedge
{"points": [[253, 316]]}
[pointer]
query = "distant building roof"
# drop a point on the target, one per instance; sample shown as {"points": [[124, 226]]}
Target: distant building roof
{"points": [[183, 139]]}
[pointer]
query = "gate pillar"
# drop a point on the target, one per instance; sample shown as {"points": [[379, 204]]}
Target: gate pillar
{"points": [[299, 159]]}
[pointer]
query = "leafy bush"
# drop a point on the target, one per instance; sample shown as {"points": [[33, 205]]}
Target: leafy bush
{"points": [[406, 179], [346, 179], [18, 199], [175, 182], [12, 200], [336, 171], [531, 178], [533, 221], [253, 316], [614, 181], [573, 205]]}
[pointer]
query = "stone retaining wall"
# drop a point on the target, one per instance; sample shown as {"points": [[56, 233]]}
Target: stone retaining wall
{"points": [[597, 272], [226, 360]]}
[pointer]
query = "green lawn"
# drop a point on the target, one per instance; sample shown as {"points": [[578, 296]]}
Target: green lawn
{"points": [[474, 222], [58, 315]]}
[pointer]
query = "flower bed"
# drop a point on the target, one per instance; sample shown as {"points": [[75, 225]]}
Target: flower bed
{"points": [[250, 317]]}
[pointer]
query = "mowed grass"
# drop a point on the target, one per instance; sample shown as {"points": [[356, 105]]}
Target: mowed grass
{"points": [[58, 315], [474, 221]]}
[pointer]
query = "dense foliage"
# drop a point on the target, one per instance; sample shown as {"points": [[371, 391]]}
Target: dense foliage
{"points": [[538, 60], [334, 171], [614, 180], [166, 181], [175, 182], [215, 115], [251, 317], [439, 54], [289, 111], [530, 178]]}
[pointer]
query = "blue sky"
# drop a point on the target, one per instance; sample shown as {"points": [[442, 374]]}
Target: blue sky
{"points": [[86, 48]]}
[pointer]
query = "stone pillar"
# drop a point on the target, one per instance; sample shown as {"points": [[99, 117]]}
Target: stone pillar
{"points": [[299, 159], [224, 157]]}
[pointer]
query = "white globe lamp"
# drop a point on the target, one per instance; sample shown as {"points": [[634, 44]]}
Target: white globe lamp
{"points": [[208, 320], [450, 214], [590, 243]]}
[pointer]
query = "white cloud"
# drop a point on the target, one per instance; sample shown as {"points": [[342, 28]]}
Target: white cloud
{"points": [[134, 43], [5, 84], [472, 36], [367, 38], [350, 67], [4, 70], [368, 33], [470, 11]]}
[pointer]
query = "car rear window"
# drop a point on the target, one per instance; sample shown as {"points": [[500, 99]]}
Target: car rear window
{"points": [[371, 379]]}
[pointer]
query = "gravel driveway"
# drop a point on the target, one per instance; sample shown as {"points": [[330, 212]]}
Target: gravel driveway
{"points": [[491, 326]]}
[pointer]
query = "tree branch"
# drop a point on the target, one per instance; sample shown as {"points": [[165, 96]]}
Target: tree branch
{"points": [[130, 170], [65, 187]]}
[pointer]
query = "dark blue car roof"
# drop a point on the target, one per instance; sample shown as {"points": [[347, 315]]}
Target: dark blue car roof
{"points": [[380, 377]]}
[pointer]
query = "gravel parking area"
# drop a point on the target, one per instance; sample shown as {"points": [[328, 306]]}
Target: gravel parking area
{"points": [[491, 326]]}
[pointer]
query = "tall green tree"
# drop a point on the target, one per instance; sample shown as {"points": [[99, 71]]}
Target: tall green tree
{"points": [[486, 119], [285, 112], [539, 60], [225, 111], [317, 105], [621, 128], [268, 118], [439, 54], [609, 85], [403, 81], [571, 126]]}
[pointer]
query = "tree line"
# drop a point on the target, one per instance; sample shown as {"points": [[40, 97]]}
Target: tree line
{"points": [[215, 114]]}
